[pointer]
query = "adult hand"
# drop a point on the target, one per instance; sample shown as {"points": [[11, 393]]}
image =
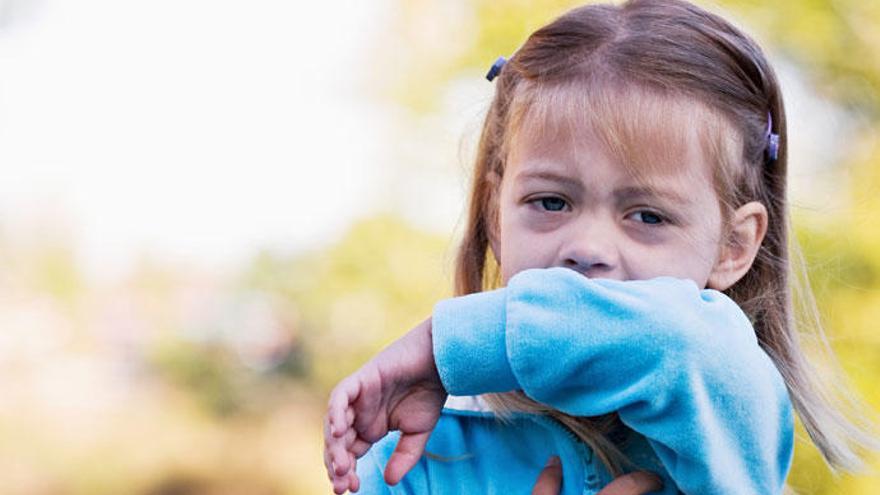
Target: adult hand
{"points": [[637, 483]]}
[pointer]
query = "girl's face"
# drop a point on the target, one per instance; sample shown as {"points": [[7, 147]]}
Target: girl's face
{"points": [[565, 202]]}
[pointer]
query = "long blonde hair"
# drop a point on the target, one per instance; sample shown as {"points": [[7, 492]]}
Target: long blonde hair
{"points": [[613, 59]]}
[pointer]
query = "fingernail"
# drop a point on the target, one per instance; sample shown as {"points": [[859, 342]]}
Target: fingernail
{"points": [[553, 461]]}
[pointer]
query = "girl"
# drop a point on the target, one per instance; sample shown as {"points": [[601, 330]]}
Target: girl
{"points": [[629, 198]]}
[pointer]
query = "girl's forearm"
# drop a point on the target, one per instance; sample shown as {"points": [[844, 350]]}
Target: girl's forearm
{"points": [[680, 365]]}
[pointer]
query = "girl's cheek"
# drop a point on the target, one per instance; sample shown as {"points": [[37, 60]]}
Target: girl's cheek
{"points": [[525, 244], [673, 259], [523, 224], [536, 222], [659, 237]]}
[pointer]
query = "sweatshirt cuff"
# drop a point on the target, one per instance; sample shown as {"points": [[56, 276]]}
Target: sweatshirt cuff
{"points": [[469, 344]]}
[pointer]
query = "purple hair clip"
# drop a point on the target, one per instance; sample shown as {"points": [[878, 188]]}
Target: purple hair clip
{"points": [[772, 140], [496, 68]]}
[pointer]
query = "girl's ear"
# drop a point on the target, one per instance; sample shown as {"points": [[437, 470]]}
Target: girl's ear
{"points": [[747, 229]]}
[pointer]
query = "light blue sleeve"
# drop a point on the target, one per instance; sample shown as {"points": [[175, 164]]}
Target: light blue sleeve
{"points": [[681, 366]]}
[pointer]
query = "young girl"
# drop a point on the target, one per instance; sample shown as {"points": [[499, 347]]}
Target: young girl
{"points": [[629, 198]]}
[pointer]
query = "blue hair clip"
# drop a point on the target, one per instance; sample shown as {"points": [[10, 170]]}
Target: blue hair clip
{"points": [[772, 140], [496, 68]]}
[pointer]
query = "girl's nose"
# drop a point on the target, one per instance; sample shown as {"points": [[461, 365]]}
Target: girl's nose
{"points": [[592, 253]]}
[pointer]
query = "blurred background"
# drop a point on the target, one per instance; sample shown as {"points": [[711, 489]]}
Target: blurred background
{"points": [[210, 211]]}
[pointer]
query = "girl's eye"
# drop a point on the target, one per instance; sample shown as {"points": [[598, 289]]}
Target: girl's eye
{"points": [[551, 203], [648, 217]]}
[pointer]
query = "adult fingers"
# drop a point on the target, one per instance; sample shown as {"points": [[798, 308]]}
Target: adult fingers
{"points": [[550, 480], [407, 453], [637, 483]]}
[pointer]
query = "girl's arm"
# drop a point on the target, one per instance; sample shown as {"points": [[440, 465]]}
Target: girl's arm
{"points": [[681, 366]]}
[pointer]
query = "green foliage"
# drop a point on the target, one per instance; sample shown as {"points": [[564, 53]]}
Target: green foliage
{"points": [[359, 294], [836, 40], [206, 372]]}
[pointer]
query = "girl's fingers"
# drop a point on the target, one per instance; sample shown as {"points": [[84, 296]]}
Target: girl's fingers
{"points": [[354, 484], [355, 448], [359, 447], [348, 438], [344, 452], [340, 452], [340, 485], [329, 443], [338, 407], [336, 453], [339, 458], [368, 403], [349, 416], [327, 462], [407, 453], [349, 479]]}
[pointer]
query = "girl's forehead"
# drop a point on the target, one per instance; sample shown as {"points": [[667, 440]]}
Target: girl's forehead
{"points": [[644, 132]]}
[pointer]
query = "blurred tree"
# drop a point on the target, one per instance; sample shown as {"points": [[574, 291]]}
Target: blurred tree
{"points": [[358, 295], [206, 372]]}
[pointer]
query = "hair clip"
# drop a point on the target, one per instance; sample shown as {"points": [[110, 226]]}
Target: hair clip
{"points": [[496, 68], [772, 139]]}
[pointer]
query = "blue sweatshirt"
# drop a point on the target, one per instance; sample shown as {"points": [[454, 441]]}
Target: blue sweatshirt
{"points": [[681, 366]]}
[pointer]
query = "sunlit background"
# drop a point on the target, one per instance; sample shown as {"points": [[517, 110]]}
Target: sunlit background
{"points": [[210, 211]]}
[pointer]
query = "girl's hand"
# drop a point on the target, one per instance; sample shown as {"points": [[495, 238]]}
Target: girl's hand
{"points": [[399, 389]]}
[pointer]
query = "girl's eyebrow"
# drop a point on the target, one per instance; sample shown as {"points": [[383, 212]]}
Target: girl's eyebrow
{"points": [[548, 176], [630, 193]]}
